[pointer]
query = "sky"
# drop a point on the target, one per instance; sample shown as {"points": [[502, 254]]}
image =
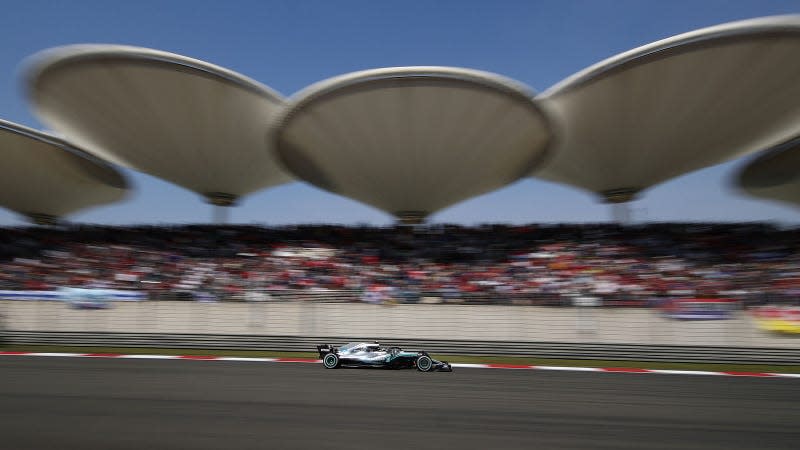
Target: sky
{"points": [[288, 45]]}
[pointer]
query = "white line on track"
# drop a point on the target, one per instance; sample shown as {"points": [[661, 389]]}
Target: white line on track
{"points": [[571, 369], [235, 358], [686, 372]]}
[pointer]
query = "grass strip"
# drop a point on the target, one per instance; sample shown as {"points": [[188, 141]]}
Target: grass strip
{"points": [[488, 359]]}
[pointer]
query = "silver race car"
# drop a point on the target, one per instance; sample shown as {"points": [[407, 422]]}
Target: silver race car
{"points": [[372, 354]]}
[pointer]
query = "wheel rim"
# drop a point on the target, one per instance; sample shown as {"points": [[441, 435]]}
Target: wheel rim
{"points": [[330, 361], [424, 363]]}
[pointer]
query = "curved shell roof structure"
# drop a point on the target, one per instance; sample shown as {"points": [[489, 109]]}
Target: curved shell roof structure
{"points": [[775, 174], [45, 178], [412, 140], [676, 105], [189, 122]]}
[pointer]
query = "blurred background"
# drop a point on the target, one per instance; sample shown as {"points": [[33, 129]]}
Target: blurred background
{"points": [[583, 194]]}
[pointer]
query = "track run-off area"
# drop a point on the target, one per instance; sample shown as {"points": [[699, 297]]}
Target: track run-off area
{"points": [[135, 403]]}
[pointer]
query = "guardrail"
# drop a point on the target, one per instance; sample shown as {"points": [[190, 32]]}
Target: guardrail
{"points": [[556, 350]]}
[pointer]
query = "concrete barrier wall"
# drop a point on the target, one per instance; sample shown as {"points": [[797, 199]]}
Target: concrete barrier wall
{"points": [[459, 322]]}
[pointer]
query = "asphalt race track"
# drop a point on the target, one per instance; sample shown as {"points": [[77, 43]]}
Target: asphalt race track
{"points": [[81, 403]]}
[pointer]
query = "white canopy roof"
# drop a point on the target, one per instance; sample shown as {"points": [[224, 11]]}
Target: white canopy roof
{"points": [[676, 105], [195, 124], [412, 140], [45, 178], [775, 174]]}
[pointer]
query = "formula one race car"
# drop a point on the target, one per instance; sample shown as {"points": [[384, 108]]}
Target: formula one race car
{"points": [[365, 354]]}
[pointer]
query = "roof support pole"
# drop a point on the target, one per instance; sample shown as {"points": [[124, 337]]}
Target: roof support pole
{"points": [[221, 203], [621, 213], [220, 214]]}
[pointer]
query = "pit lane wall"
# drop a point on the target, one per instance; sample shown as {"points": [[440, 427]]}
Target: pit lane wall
{"points": [[485, 326]]}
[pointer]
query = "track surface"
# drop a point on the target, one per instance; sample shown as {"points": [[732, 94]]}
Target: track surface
{"points": [[135, 404]]}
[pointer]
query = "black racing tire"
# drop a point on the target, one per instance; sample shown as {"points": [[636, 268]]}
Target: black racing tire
{"points": [[331, 361], [424, 363]]}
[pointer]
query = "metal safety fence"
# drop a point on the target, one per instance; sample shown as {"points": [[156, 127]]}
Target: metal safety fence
{"points": [[555, 350]]}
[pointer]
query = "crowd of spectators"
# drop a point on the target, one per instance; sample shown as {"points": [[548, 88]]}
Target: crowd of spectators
{"points": [[495, 262]]}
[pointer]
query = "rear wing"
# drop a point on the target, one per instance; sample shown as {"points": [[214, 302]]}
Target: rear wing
{"points": [[324, 349]]}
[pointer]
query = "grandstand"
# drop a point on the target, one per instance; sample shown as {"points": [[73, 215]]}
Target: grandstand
{"points": [[411, 141], [533, 264]]}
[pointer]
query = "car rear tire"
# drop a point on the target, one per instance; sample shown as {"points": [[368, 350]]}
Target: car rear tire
{"points": [[424, 363], [331, 361]]}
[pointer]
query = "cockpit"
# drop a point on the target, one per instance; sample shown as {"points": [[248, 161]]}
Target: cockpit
{"points": [[360, 347]]}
